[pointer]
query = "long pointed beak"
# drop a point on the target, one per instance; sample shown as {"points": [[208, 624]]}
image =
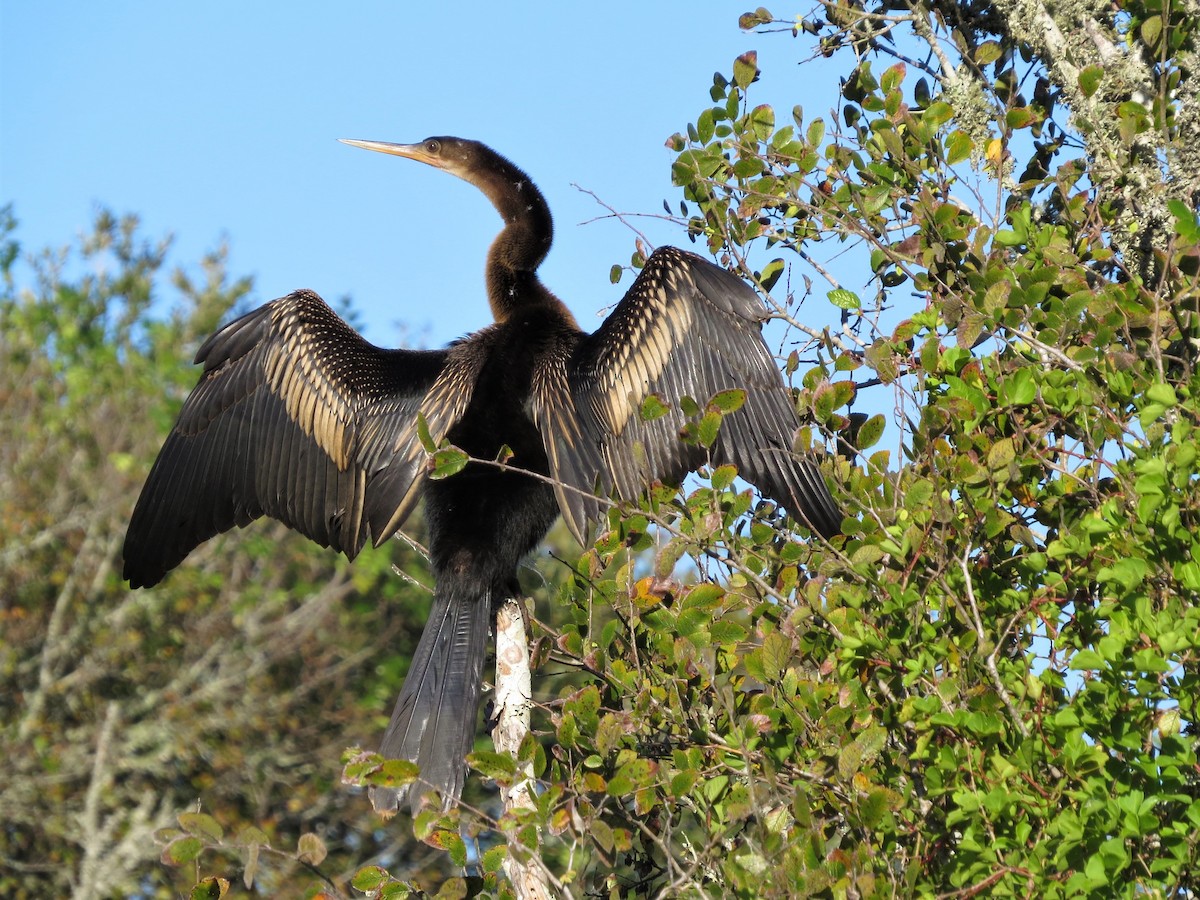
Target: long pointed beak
{"points": [[408, 151]]}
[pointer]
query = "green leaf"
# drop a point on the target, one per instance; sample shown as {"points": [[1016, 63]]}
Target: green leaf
{"points": [[1186, 225], [423, 435], [1150, 413], [653, 407], [708, 428], [723, 631], [494, 858], [611, 733], [182, 850], [1162, 393], [776, 654], [714, 788], [749, 20], [938, 113], [871, 431], [893, 77], [881, 357], [394, 773], [1087, 659], [201, 825], [567, 731], [722, 477], [614, 276], [1089, 80], [1019, 117], [770, 273], [762, 122], [629, 777], [1020, 389], [452, 843], [249, 834], [729, 401], [1129, 572], [602, 834], [705, 596], [682, 783], [1151, 30], [497, 766], [958, 147], [844, 299], [1001, 454], [210, 888], [987, 53], [875, 806], [448, 461], [369, 878], [745, 69], [918, 494], [861, 751], [815, 133]]}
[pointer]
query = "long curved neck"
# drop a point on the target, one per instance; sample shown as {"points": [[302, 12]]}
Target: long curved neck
{"points": [[519, 249]]}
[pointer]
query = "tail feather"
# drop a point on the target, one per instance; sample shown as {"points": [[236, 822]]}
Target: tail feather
{"points": [[433, 723]]}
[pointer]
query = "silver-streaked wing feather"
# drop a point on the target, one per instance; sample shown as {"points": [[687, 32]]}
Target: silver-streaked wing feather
{"points": [[295, 417], [685, 328]]}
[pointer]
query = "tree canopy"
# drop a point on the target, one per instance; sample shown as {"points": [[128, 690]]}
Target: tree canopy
{"points": [[989, 684]]}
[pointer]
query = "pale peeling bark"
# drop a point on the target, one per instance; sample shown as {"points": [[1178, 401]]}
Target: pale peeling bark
{"points": [[514, 691]]}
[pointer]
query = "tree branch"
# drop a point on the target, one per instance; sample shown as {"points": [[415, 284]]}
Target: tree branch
{"points": [[514, 692]]}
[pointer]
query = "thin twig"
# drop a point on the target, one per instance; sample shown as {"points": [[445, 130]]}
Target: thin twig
{"points": [[990, 660]]}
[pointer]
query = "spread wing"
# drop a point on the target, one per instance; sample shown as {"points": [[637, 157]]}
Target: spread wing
{"points": [[298, 418], [685, 328]]}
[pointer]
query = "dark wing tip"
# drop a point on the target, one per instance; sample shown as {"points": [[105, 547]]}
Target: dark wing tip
{"points": [[144, 563], [824, 518], [137, 566], [142, 572], [140, 578], [816, 504], [386, 801]]}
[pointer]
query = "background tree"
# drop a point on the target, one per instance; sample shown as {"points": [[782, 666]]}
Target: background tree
{"points": [[227, 694]]}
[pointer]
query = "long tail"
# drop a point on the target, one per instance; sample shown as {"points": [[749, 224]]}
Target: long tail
{"points": [[433, 723]]}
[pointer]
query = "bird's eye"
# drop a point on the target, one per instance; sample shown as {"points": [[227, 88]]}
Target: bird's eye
{"points": [[433, 146]]}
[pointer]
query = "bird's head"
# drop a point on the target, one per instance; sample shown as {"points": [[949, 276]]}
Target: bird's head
{"points": [[457, 156], [510, 190]]}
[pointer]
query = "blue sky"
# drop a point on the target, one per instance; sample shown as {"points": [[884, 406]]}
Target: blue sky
{"points": [[219, 120]]}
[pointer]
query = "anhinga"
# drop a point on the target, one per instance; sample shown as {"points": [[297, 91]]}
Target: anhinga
{"points": [[298, 418]]}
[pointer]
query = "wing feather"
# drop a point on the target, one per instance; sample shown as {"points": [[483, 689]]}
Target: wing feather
{"points": [[685, 328], [296, 417]]}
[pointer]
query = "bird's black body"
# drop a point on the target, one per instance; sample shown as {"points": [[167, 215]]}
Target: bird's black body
{"points": [[482, 522], [297, 417]]}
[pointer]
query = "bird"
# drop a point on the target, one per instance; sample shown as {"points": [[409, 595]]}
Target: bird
{"points": [[295, 416]]}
